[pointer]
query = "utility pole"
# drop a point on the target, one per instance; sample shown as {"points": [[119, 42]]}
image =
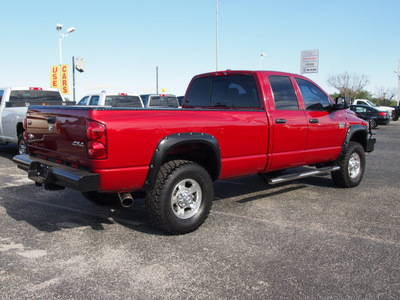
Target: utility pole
{"points": [[398, 84], [73, 77], [217, 37]]}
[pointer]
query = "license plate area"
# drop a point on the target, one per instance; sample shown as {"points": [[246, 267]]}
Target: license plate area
{"points": [[40, 173]]}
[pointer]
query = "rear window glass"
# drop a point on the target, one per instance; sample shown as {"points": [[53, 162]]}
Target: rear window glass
{"points": [[35, 96], [163, 101], [94, 100], [199, 93], [123, 101], [235, 91]]}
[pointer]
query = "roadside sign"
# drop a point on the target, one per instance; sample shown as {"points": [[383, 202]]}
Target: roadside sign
{"points": [[59, 78], [80, 64], [54, 77], [309, 61], [64, 79]]}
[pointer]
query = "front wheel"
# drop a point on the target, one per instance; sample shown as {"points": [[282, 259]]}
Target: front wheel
{"points": [[22, 146], [352, 166], [181, 198]]}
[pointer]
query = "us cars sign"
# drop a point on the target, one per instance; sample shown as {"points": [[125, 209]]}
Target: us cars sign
{"points": [[59, 78], [55, 77], [309, 61]]}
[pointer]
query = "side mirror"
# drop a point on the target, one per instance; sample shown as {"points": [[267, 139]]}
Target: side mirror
{"points": [[341, 103]]}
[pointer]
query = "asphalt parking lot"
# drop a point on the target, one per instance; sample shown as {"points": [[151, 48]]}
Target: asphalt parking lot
{"points": [[302, 240]]}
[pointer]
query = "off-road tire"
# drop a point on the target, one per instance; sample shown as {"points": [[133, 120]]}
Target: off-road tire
{"points": [[181, 198], [352, 167]]}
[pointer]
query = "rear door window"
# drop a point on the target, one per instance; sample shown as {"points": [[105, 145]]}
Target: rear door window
{"points": [[283, 92]]}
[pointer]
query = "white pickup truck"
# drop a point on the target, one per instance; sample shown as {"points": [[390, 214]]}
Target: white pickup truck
{"points": [[14, 103], [112, 99], [388, 109]]}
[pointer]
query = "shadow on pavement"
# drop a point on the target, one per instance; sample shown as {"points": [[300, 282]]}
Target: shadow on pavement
{"points": [[59, 210], [8, 151]]}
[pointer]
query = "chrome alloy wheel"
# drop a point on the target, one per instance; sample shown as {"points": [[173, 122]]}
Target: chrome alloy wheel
{"points": [[186, 199], [22, 148], [354, 166]]}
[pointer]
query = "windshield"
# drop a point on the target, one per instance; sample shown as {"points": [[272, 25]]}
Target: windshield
{"points": [[371, 103]]}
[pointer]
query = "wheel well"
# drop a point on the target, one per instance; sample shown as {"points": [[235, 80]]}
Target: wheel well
{"points": [[201, 148], [20, 129], [197, 152], [360, 137]]}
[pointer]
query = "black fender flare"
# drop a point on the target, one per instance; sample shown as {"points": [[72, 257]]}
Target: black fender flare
{"points": [[169, 142], [353, 130]]}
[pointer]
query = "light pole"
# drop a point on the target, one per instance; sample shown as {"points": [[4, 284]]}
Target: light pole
{"points": [[398, 84], [63, 35], [261, 57], [216, 35]]}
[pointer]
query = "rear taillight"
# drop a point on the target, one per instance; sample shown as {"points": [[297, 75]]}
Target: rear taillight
{"points": [[383, 114], [97, 140]]}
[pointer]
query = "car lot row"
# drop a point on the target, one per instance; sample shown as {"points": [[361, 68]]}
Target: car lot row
{"points": [[131, 100], [374, 116]]}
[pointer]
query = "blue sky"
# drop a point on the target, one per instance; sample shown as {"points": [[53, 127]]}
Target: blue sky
{"points": [[122, 42]]}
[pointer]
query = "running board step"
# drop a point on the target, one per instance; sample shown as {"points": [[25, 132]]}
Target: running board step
{"points": [[295, 176]]}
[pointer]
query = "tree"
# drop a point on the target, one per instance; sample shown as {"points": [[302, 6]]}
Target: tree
{"points": [[385, 96], [348, 85]]}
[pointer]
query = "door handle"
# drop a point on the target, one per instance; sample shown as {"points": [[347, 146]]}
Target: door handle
{"points": [[313, 121], [280, 121]]}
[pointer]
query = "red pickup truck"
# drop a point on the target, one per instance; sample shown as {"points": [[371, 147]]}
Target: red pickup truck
{"points": [[232, 124]]}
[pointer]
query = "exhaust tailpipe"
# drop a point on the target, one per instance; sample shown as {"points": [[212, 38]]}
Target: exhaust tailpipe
{"points": [[126, 199]]}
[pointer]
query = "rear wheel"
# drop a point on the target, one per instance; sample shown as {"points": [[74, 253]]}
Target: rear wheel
{"points": [[372, 123], [181, 198], [352, 166], [22, 146], [101, 198]]}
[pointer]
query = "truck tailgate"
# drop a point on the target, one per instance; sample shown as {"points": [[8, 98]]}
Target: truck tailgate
{"points": [[57, 133]]}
